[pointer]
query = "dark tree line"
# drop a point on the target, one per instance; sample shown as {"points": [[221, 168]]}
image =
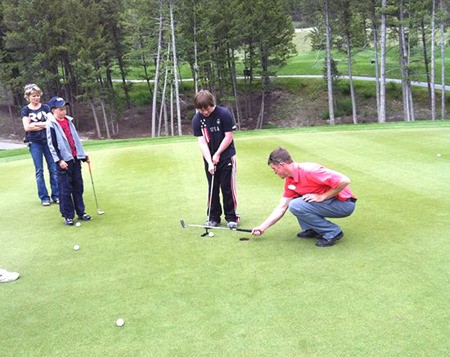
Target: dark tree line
{"points": [[73, 48]]}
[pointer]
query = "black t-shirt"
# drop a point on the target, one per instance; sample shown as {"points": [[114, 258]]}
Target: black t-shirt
{"points": [[36, 116], [213, 128]]}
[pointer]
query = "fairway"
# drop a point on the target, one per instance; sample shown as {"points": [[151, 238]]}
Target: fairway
{"points": [[383, 290]]}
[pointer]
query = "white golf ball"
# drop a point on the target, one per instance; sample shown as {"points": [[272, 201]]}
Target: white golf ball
{"points": [[211, 234], [439, 155], [76, 247], [120, 322], [78, 224]]}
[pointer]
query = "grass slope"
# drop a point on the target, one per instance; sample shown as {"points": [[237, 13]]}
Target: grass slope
{"points": [[382, 290]]}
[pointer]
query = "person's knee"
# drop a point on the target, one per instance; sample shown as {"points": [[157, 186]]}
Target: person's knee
{"points": [[297, 207]]}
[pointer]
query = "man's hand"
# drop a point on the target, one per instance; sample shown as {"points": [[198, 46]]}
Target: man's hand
{"points": [[257, 231], [312, 197]]}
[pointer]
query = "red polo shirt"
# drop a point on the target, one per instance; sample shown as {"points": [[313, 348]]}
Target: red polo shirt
{"points": [[309, 177]]}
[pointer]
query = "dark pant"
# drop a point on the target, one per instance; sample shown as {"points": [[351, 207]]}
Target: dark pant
{"points": [[225, 181], [71, 189]]}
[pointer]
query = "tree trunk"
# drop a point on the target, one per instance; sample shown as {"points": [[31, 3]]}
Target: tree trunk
{"points": [[124, 81], [195, 69], [175, 68], [163, 96], [105, 119], [97, 125], [442, 30], [13, 122], [376, 57], [235, 88], [382, 116], [158, 60], [433, 82], [260, 119], [425, 58], [145, 66], [326, 10], [350, 77], [171, 111], [403, 63]]}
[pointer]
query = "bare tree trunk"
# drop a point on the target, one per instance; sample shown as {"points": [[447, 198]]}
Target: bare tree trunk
{"points": [[158, 60], [326, 10], [350, 77], [433, 81], [13, 122], [376, 57], [105, 119], [163, 95], [97, 125], [175, 68], [232, 66], [124, 81], [442, 30], [260, 119], [403, 63], [382, 116], [145, 65], [195, 50], [425, 58], [171, 110]]}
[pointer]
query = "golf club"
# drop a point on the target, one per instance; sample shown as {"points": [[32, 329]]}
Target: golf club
{"points": [[185, 225], [209, 206], [99, 211], [210, 197]]}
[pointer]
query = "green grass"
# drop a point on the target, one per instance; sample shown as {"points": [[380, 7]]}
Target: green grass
{"points": [[381, 291]]}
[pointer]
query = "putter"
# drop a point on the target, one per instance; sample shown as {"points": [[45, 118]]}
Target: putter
{"points": [[209, 206], [185, 225], [210, 197], [99, 211]]}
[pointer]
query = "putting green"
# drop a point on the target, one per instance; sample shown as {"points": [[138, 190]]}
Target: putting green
{"points": [[382, 290]]}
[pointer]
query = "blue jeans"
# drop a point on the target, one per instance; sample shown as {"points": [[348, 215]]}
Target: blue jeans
{"points": [[311, 215], [71, 190], [38, 151]]}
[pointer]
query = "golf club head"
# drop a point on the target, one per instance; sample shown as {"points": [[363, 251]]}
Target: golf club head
{"points": [[99, 211], [182, 223]]}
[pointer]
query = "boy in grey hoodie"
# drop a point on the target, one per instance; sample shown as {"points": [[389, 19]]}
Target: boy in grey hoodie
{"points": [[67, 151]]}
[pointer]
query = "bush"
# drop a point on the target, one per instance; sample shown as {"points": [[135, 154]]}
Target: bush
{"points": [[343, 108]]}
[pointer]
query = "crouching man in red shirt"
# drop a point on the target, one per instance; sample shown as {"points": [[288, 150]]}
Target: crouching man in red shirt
{"points": [[312, 193]]}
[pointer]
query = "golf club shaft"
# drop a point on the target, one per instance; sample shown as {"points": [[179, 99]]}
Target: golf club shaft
{"points": [[93, 187], [210, 197], [185, 225]]}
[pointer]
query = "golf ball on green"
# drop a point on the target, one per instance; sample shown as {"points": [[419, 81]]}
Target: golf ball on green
{"points": [[78, 224], [76, 247], [211, 234], [439, 155], [120, 322]]}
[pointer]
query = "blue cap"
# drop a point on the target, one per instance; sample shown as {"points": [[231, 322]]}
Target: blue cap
{"points": [[57, 102]]}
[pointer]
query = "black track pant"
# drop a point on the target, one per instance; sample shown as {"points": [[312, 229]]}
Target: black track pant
{"points": [[225, 181]]}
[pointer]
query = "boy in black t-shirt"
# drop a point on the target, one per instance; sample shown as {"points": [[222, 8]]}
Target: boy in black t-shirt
{"points": [[213, 126]]}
